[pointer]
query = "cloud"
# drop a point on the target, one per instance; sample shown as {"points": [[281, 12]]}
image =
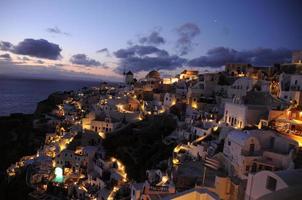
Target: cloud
{"points": [[139, 50], [145, 58], [59, 65], [130, 42], [82, 59], [6, 46], [40, 62], [51, 72], [5, 56], [186, 33], [152, 39], [147, 63], [36, 48], [104, 50], [220, 56], [25, 58], [56, 30]]}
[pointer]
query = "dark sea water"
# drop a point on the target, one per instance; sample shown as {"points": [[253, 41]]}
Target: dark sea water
{"points": [[22, 95]]}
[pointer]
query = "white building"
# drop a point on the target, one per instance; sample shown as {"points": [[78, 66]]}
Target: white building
{"points": [[100, 123], [276, 185], [169, 100], [240, 87], [188, 75], [70, 159], [290, 87], [255, 150], [104, 125], [169, 81], [250, 109], [181, 88]]}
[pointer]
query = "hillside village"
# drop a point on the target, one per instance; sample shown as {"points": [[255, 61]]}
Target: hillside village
{"points": [[234, 134]]}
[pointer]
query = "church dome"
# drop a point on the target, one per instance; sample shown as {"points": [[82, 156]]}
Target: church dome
{"points": [[153, 74], [129, 73]]}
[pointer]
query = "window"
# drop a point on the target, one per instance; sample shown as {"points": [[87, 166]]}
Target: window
{"points": [[252, 148], [271, 183], [229, 143]]}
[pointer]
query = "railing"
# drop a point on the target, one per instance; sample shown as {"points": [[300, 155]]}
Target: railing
{"points": [[159, 188]]}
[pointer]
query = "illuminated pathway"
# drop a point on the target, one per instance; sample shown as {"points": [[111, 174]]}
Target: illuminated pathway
{"points": [[122, 171]]}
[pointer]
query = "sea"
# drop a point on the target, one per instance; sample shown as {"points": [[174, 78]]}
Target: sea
{"points": [[18, 95]]}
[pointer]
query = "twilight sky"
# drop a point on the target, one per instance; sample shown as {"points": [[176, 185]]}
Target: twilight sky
{"points": [[99, 39]]}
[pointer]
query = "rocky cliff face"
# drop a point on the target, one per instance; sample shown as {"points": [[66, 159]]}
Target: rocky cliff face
{"points": [[18, 138], [47, 105]]}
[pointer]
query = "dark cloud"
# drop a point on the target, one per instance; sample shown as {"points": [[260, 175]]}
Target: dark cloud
{"points": [[152, 39], [25, 58], [82, 59], [59, 65], [56, 30], [145, 58], [138, 50], [130, 42], [5, 56], [36, 48], [104, 50], [105, 66], [6, 46], [137, 64], [220, 56], [40, 62], [187, 32]]}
